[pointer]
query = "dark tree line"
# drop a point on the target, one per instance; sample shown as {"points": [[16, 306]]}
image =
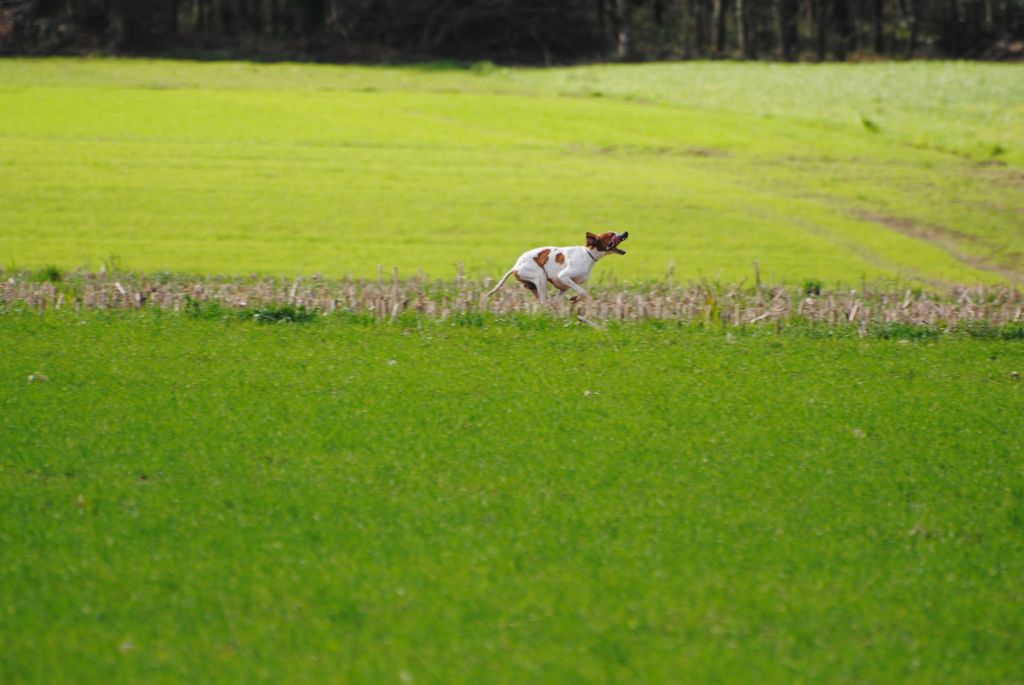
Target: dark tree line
{"points": [[531, 31]]}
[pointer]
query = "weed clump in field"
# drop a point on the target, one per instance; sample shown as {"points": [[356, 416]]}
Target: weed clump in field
{"points": [[869, 125], [209, 309], [281, 313], [987, 330], [978, 329], [896, 330], [813, 286], [49, 274], [483, 68], [468, 319], [271, 313], [1012, 331]]}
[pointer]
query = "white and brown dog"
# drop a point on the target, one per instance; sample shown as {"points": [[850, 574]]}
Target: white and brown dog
{"points": [[564, 267]]}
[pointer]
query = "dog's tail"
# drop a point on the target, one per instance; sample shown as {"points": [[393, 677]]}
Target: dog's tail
{"points": [[501, 282]]}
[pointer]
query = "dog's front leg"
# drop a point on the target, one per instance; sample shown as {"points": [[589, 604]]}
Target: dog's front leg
{"points": [[565, 278]]}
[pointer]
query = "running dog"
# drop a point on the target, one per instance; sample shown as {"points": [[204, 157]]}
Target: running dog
{"points": [[564, 267]]}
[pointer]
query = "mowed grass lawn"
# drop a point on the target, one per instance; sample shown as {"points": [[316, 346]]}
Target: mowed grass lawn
{"points": [[833, 172], [514, 503]]}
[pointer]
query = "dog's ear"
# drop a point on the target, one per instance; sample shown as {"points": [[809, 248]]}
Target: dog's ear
{"points": [[591, 239]]}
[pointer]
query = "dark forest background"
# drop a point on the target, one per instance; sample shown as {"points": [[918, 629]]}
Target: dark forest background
{"points": [[517, 31]]}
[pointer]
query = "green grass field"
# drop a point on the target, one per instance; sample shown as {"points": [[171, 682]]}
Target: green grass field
{"points": [[834, 172], [514, 503], [502, 497]]}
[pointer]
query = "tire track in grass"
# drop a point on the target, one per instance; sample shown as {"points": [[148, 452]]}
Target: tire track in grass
{"points": [[944, 238]]}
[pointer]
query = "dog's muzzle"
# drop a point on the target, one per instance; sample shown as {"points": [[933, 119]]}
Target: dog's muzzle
{"points": [[619, 238]]}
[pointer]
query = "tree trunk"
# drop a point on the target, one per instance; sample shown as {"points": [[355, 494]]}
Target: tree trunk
{"points": [[742, 42], [957, 32], [844, 43], [718, 26], [685, 35], [172, 19], [275, 20], [785, 28], [911, 15], [908, 8], [780, 38], [662, 44], [253, 17], [215, 23], [624, 47], [115, 24], [314, 16], [267, 17], [821, 29], [700, 36], [334, 16], [878, 20]]}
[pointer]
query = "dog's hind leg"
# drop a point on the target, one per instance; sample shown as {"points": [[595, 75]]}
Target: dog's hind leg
{"points": [[533, 279], [542, 292]]}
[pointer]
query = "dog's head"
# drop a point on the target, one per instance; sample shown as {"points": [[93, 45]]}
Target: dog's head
{"points": [[607, 242]]}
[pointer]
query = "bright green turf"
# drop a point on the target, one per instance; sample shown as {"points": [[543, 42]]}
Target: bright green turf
{"points": [[286, 169], [235, 502]]}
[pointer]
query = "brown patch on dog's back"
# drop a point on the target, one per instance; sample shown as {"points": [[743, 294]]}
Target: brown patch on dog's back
{"points": [[560, 258], [542, 258]]}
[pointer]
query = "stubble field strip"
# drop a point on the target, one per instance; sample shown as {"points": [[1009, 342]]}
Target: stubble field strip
{"points": [[391, 298]]}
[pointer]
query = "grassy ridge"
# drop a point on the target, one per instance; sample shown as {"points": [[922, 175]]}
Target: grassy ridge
{"points": [[513, 503], [230, 168], [977, 111]]}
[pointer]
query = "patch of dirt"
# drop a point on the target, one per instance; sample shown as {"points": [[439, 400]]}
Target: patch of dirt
{"points": [[661, 151], [947, 239], [707, 152]]}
